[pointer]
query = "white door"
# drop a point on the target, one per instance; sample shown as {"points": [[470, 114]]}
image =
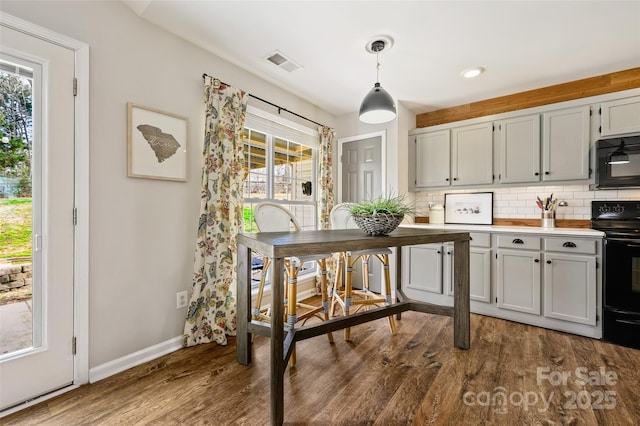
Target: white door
{"points": [[47, 364], [362, 177]]}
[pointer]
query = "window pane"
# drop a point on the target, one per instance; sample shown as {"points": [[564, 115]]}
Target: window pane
{"points": [[293, 171], [255, 182]]}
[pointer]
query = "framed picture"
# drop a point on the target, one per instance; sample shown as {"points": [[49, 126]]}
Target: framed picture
{"points": [[476, 208], [157, 145]]}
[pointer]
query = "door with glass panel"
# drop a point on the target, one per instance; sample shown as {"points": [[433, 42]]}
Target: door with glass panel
{"points": [[37, 186]]}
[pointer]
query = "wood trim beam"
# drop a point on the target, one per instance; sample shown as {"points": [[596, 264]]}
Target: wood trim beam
{"points": [[593, 86]]}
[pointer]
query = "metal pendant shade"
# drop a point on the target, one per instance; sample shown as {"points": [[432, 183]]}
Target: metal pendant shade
{"points": [[619, 156], [377, 106]]}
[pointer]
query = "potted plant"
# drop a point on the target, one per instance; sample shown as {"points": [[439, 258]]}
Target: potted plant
{"points": [[381, 215]]}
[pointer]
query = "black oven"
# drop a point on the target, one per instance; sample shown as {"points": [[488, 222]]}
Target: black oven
{"points": [[618, 162], [620, 221]]}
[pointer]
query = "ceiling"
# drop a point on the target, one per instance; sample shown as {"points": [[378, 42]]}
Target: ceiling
{"points": [[523, 45]]}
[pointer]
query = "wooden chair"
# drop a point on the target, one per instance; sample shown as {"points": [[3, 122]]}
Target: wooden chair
{"points": [[344, 295], [272, 217]]}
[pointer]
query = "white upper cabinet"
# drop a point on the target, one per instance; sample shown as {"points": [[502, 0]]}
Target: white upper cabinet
{"points": [[432, 159], [620, 116], [520, 149], [472, 154], [565, 144]]}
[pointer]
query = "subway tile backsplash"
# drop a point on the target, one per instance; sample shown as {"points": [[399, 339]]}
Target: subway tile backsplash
{"points": [[520, 202]]}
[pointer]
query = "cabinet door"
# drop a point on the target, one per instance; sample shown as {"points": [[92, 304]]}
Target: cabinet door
{"points": [[520, 149], [432, 159], [425, 268], [479, 273], [519, 280], [620, 116], [570, 287], [565, 144], [472, 154]]}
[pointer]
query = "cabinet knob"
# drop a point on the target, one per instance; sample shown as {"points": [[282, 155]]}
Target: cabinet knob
{"points": [[517, 241], [546, 173], [569, 244], [447, 179], [536, 260], [536, 174], [455, 178], [548, 262], [438, 252]]}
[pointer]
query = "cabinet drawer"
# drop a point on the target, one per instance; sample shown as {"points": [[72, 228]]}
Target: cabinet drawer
{"points": [[519, 241], [570, 245], [480, 239]]}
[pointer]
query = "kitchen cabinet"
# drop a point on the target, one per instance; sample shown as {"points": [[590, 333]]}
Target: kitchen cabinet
{"points": [[565, 144], [570, 280], [519, 149], [432, 159], [424, 268], [479, 267], [540, 277], [430, 269], [620, 116], [472, 154], [519, 280]]}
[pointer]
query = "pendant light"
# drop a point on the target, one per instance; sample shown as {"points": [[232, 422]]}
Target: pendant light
{"points": [[377, 106], [619, 156]]}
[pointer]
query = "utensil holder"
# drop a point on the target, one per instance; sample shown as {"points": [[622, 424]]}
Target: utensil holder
{"points": [[548, 219]]}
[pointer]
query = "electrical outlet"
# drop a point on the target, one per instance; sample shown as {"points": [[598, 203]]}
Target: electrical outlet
{"points": [[181, 299]]}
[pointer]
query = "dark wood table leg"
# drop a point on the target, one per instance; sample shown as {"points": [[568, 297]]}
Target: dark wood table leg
{"points": [[278, 364], [461, 305], [243, 272]]}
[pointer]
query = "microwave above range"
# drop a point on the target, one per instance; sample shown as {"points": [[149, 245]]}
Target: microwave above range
{"points": [[618, 162]]}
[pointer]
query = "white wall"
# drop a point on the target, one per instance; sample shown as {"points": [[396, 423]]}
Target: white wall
{"points": [[142, 231]]}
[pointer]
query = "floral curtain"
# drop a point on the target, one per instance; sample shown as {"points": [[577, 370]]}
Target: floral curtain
{"points": [[325, 186], [211, 314]]}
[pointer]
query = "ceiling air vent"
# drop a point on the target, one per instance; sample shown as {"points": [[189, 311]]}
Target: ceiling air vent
{"points": [[282, 61]]}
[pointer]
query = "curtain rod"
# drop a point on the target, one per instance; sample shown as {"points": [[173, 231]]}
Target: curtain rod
{"points": [[204, 75]]}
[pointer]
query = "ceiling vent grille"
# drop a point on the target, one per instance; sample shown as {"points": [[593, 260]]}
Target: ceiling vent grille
{"points": [[282, 61]]}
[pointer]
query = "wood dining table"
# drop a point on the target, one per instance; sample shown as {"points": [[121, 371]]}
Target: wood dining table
{"points": [[280, 245]]}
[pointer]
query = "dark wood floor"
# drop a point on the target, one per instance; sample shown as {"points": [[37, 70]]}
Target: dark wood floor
{"points": [[415, 377]]}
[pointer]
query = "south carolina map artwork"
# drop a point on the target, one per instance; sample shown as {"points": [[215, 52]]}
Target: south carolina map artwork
{"points": [[164, 145]]}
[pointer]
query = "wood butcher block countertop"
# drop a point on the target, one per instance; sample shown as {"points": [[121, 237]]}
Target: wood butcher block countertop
{"points": [[516, 226]]}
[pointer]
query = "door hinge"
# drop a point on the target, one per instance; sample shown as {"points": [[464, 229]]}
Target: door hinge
{"points": [[496, 300], [75, 86], [75, 216], [73, 345]]}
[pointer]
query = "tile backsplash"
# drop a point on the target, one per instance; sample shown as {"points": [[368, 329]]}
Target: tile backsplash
{"points": [[520, 202]]}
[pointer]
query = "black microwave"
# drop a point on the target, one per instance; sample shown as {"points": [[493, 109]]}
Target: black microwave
{"points": [[618, 162]]}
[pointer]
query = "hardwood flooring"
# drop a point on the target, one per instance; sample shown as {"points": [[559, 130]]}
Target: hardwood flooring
{"points": [[413, 378]]}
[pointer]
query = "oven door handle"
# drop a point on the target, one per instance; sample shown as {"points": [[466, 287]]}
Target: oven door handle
{"points": [[622, 242], [631, 322]]}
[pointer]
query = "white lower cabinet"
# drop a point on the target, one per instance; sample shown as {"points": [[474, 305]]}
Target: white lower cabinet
{"points": [[545, 280], [570, 287], [519, 280], [479, 273], [424, 268]]}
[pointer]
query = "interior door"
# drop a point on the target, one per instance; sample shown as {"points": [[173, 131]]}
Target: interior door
{"points": [[47, 363], [362, 179]]}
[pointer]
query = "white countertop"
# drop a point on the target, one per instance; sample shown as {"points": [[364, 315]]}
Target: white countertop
{"points": [[578, 232]]}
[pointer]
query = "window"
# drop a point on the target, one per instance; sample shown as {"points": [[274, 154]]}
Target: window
{"points": [[280, 167]]}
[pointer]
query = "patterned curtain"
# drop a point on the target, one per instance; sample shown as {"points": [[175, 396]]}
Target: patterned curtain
{"points": [[325, 185], [211, 314]]}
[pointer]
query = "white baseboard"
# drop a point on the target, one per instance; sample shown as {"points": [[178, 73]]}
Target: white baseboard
{"points": [[118, 365]]}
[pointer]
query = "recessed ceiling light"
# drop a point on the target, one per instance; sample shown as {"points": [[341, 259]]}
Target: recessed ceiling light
{"points": [[472, 72]]}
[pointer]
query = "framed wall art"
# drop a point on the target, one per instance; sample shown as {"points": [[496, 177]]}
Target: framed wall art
{"points": [[475, 208], [157, 146]]}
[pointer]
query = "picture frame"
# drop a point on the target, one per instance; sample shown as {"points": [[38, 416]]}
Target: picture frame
{"points": [[469, 208], [157, 144]]}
